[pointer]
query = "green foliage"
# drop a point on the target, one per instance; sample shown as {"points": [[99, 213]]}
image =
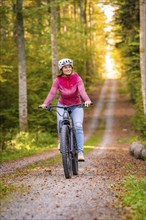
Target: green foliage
{"points": [[134, 196], [139, 123], [24, 144], [127, 31], [81, 39], [129, 43]]}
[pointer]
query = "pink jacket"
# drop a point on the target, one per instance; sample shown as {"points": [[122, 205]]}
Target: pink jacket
{"points": [[70, 88]]}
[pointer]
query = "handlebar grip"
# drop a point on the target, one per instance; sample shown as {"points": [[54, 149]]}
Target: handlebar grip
{"points": [[89, 105], [47, 108]]}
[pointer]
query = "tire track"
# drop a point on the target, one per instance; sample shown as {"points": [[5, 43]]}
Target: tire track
{"points": [[109, 117], [98, 109]]}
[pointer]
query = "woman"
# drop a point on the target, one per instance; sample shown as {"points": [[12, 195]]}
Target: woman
{"points": [[71, 87]]}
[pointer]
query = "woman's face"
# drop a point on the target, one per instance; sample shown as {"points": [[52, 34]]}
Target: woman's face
{"points": [[67, 70]]}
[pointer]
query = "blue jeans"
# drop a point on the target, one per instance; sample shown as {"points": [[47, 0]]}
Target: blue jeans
{"points": [[77, 116]]}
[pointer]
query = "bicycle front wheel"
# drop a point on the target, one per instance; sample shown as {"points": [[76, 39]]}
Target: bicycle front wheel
{"points": [[75, 156], [65, 150]]}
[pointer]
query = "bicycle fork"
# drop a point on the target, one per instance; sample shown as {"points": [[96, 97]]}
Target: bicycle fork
{"points": [[71, 144]]}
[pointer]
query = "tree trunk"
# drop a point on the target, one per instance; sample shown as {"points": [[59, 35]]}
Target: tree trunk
{"points": [[83, 20], [39, 18], [54, 40], [14, 9], [143, 49], [23, 123]]}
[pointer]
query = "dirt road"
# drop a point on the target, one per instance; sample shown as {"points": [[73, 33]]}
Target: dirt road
{"points": [[90, 195]]}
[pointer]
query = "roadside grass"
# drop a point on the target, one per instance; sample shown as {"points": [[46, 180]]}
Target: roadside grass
{"points": [[132, 190], [93, 141], [7, 188], [26, 144], [45, 163], [123, 87], [133, 196], [125, 140], [132, 139]]}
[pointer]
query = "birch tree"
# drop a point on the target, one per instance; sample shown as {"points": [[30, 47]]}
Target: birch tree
{"points": [[53, 39], [23, 123], [143, 49]]}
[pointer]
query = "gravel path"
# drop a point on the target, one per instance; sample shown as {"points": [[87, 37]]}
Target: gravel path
{"points": [[88, 196]]}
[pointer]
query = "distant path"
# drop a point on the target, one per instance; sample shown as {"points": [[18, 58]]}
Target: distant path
{"points": [[97, 110], [11, 166]]}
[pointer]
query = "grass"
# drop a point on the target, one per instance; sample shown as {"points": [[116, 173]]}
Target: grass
{"points": [[45, 163], [133, 195], [130, 140], [123, 88], [16, 154], [6, 188], [26, 144], [93, 141]]}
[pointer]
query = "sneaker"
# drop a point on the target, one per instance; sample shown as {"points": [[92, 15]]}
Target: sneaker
{"points": [[81, 157]]}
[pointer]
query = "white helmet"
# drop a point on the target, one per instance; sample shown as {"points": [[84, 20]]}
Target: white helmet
{"points": [[64, 62]]}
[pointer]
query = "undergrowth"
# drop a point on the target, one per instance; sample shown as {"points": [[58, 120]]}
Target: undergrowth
{"points": [[133, 195], [25, 144]]}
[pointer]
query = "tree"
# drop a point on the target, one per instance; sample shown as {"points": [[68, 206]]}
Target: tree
{"points": [[53, 39], [82, 41], [129, 44], [143, 49], [21, 69]]}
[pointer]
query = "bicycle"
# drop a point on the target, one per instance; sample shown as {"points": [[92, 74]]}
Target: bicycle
{"points": [[68, 143]]}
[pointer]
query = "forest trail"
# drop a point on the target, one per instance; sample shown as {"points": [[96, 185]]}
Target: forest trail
{"points": [[90, 195]]}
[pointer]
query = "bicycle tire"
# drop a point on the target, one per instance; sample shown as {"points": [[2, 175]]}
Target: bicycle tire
{"points": [[75, 156], [65, 150]]}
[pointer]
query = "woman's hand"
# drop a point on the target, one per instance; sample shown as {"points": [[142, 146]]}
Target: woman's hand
{"points": [[87, 103], [43, 106]]}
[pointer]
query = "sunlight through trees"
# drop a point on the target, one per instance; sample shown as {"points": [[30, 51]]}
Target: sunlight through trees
{"points": [[95, 34]]}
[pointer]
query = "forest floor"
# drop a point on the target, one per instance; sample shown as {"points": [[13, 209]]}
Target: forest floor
{"points": [[44, 194]]}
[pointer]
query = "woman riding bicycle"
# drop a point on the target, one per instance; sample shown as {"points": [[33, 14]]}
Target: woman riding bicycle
{"points": [[71, 87]]}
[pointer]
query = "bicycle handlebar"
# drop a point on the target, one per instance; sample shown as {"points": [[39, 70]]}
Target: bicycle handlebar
{"points": [[50, 107]]}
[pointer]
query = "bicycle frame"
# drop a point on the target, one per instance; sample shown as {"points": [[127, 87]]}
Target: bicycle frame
{"points": [[66, 120], [68, 143]]}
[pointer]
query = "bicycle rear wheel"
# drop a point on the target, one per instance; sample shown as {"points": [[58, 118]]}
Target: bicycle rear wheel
{"points": [[65, 150], [75, 156]]}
